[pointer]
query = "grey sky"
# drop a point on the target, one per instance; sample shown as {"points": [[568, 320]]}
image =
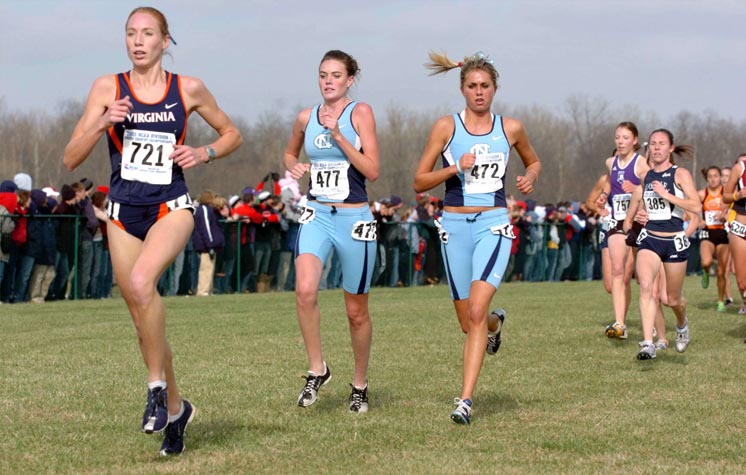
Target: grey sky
{"points": [[262, 56]]}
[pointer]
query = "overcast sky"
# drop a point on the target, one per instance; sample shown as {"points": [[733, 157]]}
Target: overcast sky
{"points": [[262, 56]]}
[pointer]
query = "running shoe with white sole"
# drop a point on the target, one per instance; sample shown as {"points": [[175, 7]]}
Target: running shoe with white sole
{"points": [[310, 391], [647, 352], [359, 399], [494, 340], [462, 413], [682, 338], [173, 441], [155, 417]]}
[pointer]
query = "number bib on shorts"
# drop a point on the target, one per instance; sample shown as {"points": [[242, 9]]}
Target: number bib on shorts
{"points": [[711, 218], [657, 208], [486, 174], [364, 231], [738, 229], [330, 179], [146, 156], [621, 204], [681, 242]]}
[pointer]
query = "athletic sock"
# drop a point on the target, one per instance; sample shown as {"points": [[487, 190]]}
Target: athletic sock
{"points": [[157, 384], [176, 416]]}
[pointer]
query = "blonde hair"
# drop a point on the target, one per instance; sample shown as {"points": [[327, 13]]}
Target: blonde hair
{"points": [[206, 197], [440, 63]]}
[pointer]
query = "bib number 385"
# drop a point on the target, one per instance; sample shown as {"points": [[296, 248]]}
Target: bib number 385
{"points": [[364, 231]]}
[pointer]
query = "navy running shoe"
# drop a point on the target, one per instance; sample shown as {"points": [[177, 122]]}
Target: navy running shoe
{"points": [[173, 442], [155, 418]]}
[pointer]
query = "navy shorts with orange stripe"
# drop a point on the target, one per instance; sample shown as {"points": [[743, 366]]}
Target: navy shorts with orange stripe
{"points": [[138, 219]]}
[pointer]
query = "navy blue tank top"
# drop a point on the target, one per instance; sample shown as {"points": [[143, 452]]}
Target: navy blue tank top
{"points": [[662, 214], [144, 137]]}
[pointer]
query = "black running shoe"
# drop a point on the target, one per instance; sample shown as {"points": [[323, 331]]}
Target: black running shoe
{"points": [[173, 442], [155, 418], [495, 340], [310, 391], [359, 399]]}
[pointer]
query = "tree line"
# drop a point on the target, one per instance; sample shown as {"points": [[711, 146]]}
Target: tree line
{"points": [[572, 144]]}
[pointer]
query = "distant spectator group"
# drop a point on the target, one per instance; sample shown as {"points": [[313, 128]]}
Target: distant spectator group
{"points": [[54, 243]]}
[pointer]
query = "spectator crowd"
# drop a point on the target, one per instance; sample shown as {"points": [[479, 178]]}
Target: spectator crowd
{"points": [[54, 244]]}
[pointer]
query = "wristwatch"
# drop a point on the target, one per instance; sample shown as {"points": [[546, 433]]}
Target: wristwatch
{"points": [[210, 154]]}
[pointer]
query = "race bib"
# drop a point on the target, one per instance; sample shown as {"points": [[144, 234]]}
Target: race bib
{"points": [[621, 205], [307, 215], [329, 179], [503, 230], [658, 208], [681, 242], [641, 237], [146, 156], [712, 218], [486, 176], [364, 231], [704, 234], [738, 229], [442, 233]]}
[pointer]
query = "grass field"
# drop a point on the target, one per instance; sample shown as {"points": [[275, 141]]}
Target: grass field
{"points": [[558, 398]]}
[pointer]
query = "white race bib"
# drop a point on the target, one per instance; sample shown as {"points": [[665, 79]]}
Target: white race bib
{"points": [[329, 179], [503, 230], [364, 231], [146, 156], [621, 205], [307, 215], [658, 208], [712, 218], [681, 242], [486, 176], [738, 229]]}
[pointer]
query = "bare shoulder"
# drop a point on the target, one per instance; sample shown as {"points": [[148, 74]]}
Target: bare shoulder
{"points": [[363, 108], [104, 89], [682, 174], [444, 124], [609, 162], [512, 126], [192, 86]]}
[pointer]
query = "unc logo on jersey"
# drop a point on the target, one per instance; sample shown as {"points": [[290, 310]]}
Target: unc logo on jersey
{"points": [[323, 141], [480, 149]]}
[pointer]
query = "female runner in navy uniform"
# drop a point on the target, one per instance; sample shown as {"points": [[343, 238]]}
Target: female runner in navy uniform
{"points": [[667, 193], [339, 137], [475, 230], [143, 114]]}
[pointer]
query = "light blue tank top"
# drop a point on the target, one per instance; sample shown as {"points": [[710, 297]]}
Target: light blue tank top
{"points": [[483, 184], [333, 178]]}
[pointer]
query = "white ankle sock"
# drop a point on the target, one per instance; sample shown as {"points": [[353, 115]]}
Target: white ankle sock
{"points": [[176, 416], [157, 384]]}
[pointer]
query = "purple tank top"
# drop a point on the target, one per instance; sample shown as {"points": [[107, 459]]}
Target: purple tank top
{"points": [[618, 198]]}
